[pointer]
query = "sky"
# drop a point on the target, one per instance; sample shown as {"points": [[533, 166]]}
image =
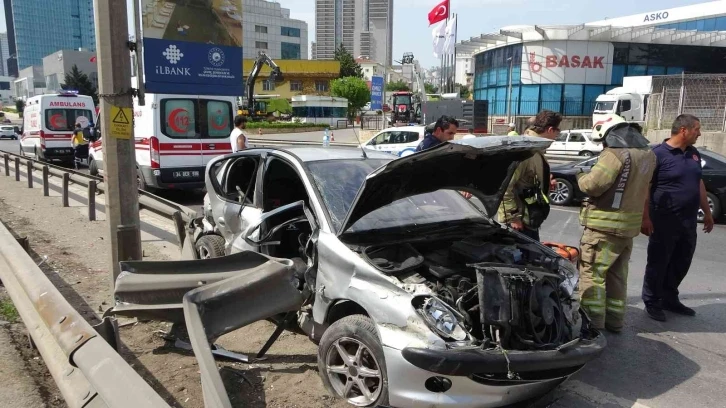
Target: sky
{"points": [[411, 32]]}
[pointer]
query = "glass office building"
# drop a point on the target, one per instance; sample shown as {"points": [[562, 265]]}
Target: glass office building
{"points": [[522, 70], [42, 27]]}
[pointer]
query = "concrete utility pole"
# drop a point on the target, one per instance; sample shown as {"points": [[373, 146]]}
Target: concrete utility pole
{"points": [[117, 130]]}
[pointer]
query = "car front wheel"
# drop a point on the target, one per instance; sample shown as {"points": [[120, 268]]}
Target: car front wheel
{"points": [[562, 194], [351, 362], [715, 207], [210, 246], [586, 154]]}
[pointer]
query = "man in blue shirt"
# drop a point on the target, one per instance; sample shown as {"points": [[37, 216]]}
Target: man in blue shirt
{"points": [[444, 130], [670, 218]]}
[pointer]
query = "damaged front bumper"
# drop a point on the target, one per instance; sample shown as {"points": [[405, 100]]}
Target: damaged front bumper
{"points": [[539, 364]]}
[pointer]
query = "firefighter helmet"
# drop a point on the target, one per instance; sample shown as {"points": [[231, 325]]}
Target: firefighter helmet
{"points": [[599, 131], [614, 132]]}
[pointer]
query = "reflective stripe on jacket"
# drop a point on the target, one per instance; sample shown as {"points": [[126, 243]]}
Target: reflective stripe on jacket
{"points": [[612, 208]]}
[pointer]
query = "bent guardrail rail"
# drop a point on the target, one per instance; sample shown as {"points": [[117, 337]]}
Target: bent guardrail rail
{"points": [[86, 368]]}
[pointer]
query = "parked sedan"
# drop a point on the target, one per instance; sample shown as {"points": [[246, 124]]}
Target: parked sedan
{"points": [[400, 141], [577, 142], [414, 295], [9, 132], [566, 190]]}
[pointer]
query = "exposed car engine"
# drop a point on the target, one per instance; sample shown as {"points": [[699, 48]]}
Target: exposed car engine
{"points": [[511, 293]]}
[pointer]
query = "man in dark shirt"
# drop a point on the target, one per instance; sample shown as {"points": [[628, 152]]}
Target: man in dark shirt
{"points": [[444, 130], [670, 218]]}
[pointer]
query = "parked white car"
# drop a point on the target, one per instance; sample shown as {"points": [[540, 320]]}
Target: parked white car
{"points": [[576, 142], [9, 132], [400, 141]]}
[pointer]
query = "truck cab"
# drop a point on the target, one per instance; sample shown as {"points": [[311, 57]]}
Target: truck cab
{"points": [[631, 106]]}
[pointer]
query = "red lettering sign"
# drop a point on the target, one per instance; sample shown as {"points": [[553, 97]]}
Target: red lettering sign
{"points": [[566, 61], [61, 104]]}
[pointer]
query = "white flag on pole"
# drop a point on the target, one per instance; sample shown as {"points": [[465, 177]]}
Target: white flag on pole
{"points": [[439, 37], [450, 34]]}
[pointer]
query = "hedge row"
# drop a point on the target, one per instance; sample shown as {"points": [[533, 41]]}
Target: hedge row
{"points": [[280, 125]]}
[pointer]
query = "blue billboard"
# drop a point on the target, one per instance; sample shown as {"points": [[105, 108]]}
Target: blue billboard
{"points": [[376, 93], [190, 49]]}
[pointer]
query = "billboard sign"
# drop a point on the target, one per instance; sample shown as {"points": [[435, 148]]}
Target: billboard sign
{"points": [[567, 62], [376, 93], [193, 47]]}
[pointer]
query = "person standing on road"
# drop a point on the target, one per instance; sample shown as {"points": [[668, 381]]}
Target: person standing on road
{"points": [[526, 205], [612, 217], [444, 130], [238, 138], [512, 130], [670, 218], [469, 135]]}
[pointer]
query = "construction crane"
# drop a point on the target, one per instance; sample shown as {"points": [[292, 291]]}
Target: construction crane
{"points": [[275, 75]]}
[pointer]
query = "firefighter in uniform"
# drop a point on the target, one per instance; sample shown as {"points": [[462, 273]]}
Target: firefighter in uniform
{"points": [[617, 187]]}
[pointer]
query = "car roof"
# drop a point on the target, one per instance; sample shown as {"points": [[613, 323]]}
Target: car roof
{"points": [[318, 153]]}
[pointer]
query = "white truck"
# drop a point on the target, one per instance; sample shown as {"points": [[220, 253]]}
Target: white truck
{"points": [[629, 101]]}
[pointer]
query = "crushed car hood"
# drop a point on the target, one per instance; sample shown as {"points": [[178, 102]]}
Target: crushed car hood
{"points": [[482, 166]]}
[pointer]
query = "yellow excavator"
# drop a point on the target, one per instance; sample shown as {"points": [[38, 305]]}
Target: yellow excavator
{"points": [[259, 108]]}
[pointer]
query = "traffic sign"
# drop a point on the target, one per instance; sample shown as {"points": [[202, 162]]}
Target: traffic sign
{"points": [[121, 127]]}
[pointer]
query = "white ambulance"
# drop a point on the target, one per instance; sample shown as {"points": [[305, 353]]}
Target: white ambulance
{"points": [[48, 123], [176, 136]]}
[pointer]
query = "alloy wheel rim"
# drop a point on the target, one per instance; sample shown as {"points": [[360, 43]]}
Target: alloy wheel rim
{"points": [[204, 254], [353, 371], [560, 194], [701, 215]]}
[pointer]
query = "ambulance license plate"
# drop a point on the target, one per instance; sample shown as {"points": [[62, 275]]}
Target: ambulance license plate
{"points": [[186, 174]]}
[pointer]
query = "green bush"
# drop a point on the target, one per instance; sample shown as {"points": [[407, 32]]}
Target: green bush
{"points": [[280, 125], [11, 110]]}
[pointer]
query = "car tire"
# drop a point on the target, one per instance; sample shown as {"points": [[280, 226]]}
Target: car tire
{"points": [[93, 168], [715, 205], [141, 183], [349, 334], [563, 192], [586, 154], [210, 246]]}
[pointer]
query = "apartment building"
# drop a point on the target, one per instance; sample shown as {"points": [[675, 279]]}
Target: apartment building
{"points": [[269, 28], [364, 27]]}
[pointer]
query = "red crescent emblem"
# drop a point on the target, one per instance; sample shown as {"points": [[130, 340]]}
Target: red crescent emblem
{"points": [[179, 120], [221, 121], [441, 11], [58, 121]]}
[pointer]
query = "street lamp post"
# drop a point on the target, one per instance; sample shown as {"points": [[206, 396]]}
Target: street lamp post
{"points": [[509, 91]]}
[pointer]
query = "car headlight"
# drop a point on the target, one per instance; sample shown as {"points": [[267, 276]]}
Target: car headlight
{"points": [[441, 318]]}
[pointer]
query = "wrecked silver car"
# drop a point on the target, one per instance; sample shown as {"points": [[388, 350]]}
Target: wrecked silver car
{"points": [[415, 296]]}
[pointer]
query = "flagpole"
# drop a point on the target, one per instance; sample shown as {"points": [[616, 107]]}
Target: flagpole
{"points": [[456, 37]]}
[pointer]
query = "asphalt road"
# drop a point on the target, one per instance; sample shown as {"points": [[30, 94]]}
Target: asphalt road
{"points": [[681, 362]]}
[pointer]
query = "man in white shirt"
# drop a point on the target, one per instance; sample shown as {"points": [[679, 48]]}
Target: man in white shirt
{"points": [[237, 138]]}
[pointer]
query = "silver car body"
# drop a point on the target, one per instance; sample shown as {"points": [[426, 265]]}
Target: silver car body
{"points": [[344, 277]]}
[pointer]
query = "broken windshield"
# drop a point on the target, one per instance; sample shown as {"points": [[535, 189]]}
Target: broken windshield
{"points": [[338, 182]]}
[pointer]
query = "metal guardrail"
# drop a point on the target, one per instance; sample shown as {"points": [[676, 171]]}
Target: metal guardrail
{"points": [[179, 214], [86, 367]]}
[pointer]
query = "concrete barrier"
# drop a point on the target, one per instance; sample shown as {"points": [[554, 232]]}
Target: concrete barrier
{"points": [[714, 141]]}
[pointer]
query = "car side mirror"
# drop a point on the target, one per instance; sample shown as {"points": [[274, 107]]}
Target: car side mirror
{"points": [[281, 218]]}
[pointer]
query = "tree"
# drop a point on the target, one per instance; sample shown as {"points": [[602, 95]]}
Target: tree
{"points": [[355, 90], [348, 66], [80, 82], [430, 88], [464, 91], [20, 106], [279, 105], [397, 86]]}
